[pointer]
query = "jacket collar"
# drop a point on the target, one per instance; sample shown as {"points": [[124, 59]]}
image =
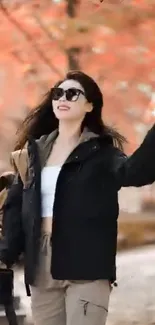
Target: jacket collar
{"points": [[46, 142]]}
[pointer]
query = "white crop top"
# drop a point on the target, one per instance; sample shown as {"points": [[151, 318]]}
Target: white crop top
{"points": [[49, 177]]}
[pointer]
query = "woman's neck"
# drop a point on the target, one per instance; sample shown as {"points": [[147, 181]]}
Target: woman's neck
{"points": [[69, 132]]}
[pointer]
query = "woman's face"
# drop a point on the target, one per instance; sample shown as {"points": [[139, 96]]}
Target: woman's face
{"points": [[69, 101]]}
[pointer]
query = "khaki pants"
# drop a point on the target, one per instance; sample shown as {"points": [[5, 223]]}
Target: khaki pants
{"points": [[64, 302]]}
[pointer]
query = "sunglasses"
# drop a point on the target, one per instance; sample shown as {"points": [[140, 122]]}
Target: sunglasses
{"points": [[72, 94]]}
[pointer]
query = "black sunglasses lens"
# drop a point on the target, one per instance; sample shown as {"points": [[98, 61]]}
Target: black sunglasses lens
{"points": [[72, 94], [57, 93]]}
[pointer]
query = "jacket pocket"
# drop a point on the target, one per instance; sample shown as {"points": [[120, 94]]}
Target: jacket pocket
{"points": [[92, 313]]}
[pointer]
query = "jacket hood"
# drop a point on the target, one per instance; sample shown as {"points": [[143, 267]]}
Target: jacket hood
{"points": [[45, 143], [45, 140]]}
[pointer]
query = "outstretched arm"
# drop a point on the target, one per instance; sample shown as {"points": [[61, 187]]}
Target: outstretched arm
{"points": [[138, 169]]}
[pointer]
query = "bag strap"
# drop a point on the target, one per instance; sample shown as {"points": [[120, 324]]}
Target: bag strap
{"points": [[19, 160], [11, 314]]}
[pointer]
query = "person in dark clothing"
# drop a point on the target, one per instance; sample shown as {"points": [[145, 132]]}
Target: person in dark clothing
{"points": [[64, 217], [6, 180]]}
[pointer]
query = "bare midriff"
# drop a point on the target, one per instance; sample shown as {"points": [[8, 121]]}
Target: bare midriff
{"points": [[47, 224]]}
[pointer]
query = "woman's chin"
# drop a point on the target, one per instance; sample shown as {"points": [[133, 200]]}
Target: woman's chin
{"points": [[64, 115]]}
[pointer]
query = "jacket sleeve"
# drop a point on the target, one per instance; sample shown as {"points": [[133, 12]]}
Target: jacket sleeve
{"points": [[138, 169], [12, 242]]}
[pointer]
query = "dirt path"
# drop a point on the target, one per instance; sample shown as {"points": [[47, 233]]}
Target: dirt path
{"points": [[133, 301]]}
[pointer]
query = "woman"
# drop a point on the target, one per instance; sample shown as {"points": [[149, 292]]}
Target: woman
{"points": [[64, 218]]}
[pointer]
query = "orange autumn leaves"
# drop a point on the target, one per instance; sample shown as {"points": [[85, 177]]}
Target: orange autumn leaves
{"points": [[116, 45]]}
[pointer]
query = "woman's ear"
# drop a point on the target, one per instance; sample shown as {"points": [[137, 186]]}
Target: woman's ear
{"points": [[89, 107]]}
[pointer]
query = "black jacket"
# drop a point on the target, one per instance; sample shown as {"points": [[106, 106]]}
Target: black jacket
{"points": [[84, 235]]}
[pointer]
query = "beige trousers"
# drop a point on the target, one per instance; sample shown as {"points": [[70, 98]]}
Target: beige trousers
{"points": [[59, 302]]}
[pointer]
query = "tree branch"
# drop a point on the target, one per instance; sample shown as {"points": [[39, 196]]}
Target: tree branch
{"points": [[45, 30], [72, 52], [71, 8], [29, 39]]}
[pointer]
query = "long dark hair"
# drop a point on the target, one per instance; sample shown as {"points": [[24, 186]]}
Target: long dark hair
{"points": [[42, 119]]}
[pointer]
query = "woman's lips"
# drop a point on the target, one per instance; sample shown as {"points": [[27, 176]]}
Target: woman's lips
{"points": [[63, 107]]}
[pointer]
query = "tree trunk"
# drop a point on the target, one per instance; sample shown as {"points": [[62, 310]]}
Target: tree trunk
{"points": [[73, 52]]}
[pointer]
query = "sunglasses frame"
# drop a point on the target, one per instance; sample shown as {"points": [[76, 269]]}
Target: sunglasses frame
{"points": [[79, 91]]}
